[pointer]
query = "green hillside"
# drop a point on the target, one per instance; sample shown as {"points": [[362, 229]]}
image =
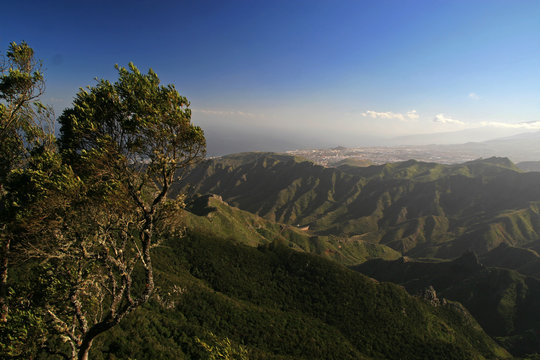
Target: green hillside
{"points": [[489, 293], [351, 161], [419, 209], [211, 216], [425, 171], [503, 301], [276, 303]]}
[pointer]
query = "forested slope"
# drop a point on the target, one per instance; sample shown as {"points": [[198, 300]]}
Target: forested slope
{"points": [[503, 301], [276, 303]]}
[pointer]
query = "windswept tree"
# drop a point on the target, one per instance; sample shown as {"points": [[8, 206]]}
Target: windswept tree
{"points": [[125, 144], [25, 130]]}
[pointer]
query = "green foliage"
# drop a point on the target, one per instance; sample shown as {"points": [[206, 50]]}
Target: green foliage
{"points": [[93, 211], [24, 331], [43, 175], [135, 118], [24, 136], [25, 141], [282, 304], [99, 206], [23, 119], [223, 349]]}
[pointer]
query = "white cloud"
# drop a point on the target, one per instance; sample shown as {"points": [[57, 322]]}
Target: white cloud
{"points": [[412, 115], [530, 125], [383, 115], [443, 119], [474, 96]]}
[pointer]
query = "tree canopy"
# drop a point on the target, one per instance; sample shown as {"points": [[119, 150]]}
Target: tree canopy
{"points": [[91, 206]]}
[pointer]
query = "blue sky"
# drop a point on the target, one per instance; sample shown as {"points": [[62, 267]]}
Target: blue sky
{"points": [[350, 72]]}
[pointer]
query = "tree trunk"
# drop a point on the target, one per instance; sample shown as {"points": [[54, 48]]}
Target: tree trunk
{"points": [[4, 262], [85, 349], [146, 239]]}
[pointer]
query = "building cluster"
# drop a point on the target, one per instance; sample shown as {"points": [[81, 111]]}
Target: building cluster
{"points": [[382, 155]]}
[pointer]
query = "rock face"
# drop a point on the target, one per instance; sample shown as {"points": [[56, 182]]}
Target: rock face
{"points": [[430, 295], [201, 205]]}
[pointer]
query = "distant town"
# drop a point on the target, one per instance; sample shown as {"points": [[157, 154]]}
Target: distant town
{"points": [[381, 155]]}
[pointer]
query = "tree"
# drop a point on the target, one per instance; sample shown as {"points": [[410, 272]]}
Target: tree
{"points": [[126, 143], [24, 129]]}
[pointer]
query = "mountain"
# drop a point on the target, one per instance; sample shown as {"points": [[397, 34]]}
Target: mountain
{"points": [[211, 216], [521, 147], [272, 302], [504, 302], [419, 209], [529, 165], [479, 134]]}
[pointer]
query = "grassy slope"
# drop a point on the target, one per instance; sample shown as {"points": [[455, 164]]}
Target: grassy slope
{"points": [[211, 216], [284, 304]]}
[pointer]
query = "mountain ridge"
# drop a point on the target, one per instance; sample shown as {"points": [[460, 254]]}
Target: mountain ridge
{"points": [[419, 209]]}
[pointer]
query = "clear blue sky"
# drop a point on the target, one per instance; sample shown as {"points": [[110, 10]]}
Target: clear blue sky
{"points": [[345, 70]]}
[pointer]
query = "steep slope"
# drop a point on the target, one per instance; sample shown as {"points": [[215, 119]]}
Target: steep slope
{"points": [[211, 216], [419, 209], [276, 303], [524, 260], [503, 301]]}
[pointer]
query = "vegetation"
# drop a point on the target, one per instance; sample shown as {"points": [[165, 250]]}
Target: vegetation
{"points": [[25, 140], [211, 216], [93, 209], [278, 303], [503, 301], [23, 133]]}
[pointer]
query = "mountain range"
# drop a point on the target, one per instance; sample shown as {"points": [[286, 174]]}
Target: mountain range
{"points": [[418, 209]]}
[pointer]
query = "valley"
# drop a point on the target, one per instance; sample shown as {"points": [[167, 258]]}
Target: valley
{"points": [[418, 209], [401, 222]]}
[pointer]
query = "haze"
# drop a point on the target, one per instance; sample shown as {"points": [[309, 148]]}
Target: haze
{"points": [[280, 75]]}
